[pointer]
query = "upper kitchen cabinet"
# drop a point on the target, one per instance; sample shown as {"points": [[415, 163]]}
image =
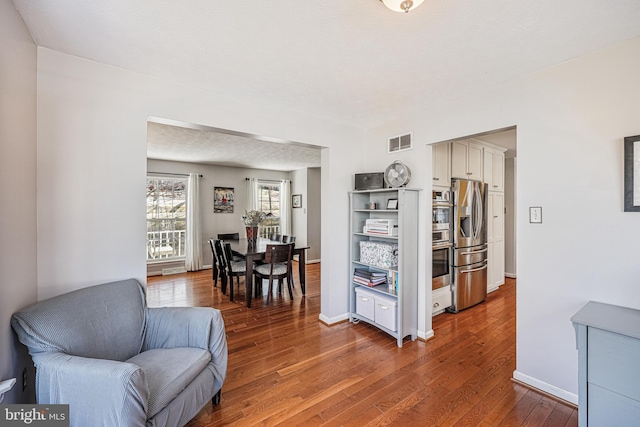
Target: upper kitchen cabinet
{"points": [[466, 160], [441, 155], [494, 168]]}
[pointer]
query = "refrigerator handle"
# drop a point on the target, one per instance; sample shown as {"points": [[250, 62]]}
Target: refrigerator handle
{"points": [[474, 252], [474, 269], [479, 219]]}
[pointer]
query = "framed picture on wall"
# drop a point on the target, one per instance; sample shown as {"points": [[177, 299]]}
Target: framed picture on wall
{"points": [[632, 174], [296, 200], [223, 199]]}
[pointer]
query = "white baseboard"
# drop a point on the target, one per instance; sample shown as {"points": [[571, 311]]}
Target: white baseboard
{"points": [[312, 261], [510, 275], [545, 387], [425, 335], [207, 267], [173, 270], [333, 320]]}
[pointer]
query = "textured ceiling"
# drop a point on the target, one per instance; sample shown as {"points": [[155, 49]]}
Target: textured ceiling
{"points": [[199, 144], [352, 61]]}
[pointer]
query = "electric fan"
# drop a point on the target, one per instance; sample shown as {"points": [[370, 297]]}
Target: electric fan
{"points": [[397, 174]]}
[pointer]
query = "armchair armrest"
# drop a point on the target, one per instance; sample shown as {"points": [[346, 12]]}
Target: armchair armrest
{"points": [[198, 327], [99, 392]]}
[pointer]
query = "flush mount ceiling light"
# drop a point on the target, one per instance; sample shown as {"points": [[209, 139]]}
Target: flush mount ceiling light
{"points": [[402, 5]]}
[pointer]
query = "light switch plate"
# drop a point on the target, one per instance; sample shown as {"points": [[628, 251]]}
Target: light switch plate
{"points": [[535, 215]]}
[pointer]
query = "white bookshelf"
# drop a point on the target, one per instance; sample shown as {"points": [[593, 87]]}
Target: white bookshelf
{"points": [[406, 312]]}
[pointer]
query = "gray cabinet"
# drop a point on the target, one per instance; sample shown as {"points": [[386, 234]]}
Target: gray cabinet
{"points": [[608, 341], [393, 309]]}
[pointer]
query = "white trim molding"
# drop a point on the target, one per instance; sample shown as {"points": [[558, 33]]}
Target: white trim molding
{"points": [[333, 320], [426, 335], [545, 387]]}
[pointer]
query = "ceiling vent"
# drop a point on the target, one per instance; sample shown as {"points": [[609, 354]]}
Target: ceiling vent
{"points": [[400, 143]]}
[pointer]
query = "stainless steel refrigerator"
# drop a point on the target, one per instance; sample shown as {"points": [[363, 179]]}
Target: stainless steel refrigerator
{"points": [[469, 230]]}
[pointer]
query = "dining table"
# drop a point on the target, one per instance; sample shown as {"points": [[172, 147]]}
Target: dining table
{"points": [[256, 252]]}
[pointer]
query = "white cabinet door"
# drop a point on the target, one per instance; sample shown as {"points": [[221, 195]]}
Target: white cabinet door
{"points": [[495, 220], [497, 175], [441, 165], [474, 161], [493, 169], [466, 160], [459, 151], [495, 271]]}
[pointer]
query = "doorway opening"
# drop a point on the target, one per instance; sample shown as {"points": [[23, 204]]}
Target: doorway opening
{"points": [[225, 161], [491, 159]]}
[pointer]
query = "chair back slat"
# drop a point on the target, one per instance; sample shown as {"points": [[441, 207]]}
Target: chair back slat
{"points": [[275, 237], [228, 256], [222, 264]]}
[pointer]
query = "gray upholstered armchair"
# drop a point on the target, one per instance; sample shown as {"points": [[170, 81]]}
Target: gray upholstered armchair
{"points": [[117, 362]]}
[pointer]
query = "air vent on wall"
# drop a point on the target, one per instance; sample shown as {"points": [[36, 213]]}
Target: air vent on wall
{"points": [[400, 143]]}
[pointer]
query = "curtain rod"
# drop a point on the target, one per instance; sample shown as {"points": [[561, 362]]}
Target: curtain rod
{"points": [[267, 180], [173, 174]]}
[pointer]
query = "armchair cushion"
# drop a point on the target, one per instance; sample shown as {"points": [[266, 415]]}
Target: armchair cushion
{"points": [[168, 372]]}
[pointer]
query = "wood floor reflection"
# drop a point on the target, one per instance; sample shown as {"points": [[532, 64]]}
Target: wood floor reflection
{"points": [[288, 368]]}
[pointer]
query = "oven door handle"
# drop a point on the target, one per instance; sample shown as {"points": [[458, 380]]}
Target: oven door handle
{"points": [[442, 246], [474, 252], [474, 269]]}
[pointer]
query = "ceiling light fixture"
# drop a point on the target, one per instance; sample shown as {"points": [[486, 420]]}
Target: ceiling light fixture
{"points": [[402, 5]]}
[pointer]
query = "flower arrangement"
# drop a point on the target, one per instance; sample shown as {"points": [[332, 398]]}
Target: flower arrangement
{"points": [[253, 218]]}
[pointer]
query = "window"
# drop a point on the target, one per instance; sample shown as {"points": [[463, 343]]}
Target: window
{"points": [[269, 202], [166, 218]]}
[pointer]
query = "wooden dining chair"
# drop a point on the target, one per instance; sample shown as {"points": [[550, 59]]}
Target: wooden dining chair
{"points": [[214, 264], [277, 266], [220, 262], [275, 237], [235, 268], [229, 236]]}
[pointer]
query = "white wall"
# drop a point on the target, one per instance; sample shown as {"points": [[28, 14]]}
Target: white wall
{"points": [[299, 215], [314, 218], [18, 228], [571, 121], [92, 122], [510, 235], [307, 219]]}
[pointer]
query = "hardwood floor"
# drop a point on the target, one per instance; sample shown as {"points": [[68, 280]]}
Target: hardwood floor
{"points": [[288, 368]]}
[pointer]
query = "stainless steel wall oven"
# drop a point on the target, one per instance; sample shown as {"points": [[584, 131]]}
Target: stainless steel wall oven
{"points": [[441, 238]]}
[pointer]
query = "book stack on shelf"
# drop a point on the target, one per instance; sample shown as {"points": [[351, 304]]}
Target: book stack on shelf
{"points": [[369, 278]]}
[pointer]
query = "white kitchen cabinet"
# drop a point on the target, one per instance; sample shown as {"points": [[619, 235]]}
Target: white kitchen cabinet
{"points": [[466, 160], [495, 266], [441, 298], [493, 168], [441, 156], [495, 216], [495, 239]]}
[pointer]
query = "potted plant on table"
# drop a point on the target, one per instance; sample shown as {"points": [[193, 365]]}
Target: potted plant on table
{"points": [[252, 220]]}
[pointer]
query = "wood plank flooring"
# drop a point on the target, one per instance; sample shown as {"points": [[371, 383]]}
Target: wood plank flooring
{"points": [[287, 368]]}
